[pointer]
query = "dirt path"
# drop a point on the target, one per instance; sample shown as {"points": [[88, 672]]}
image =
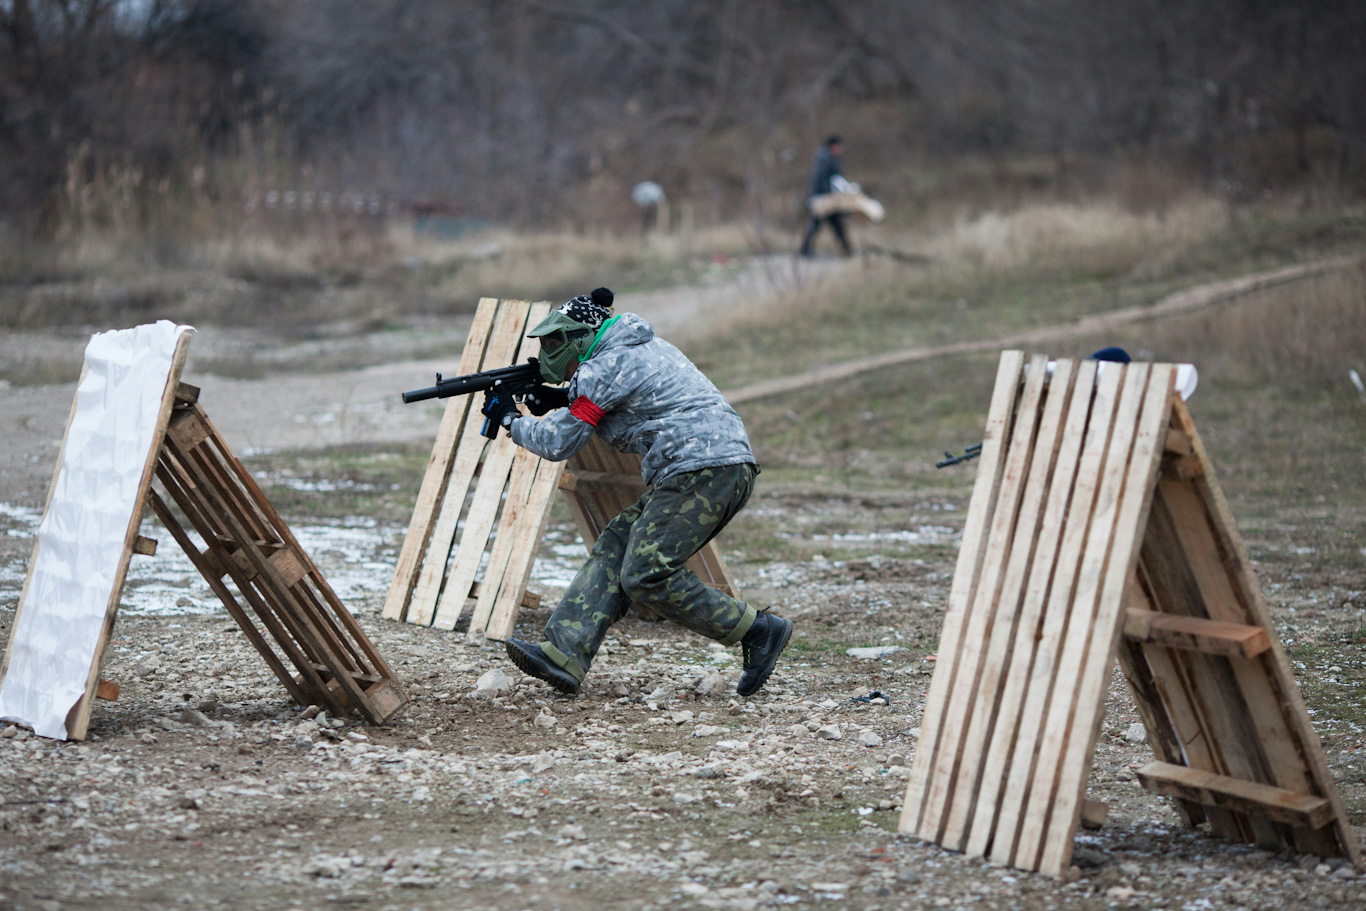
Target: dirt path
{"points": [[1178, 304]]}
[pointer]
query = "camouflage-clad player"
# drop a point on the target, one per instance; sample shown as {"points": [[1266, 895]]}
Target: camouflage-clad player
{"points": [[642, 395]]}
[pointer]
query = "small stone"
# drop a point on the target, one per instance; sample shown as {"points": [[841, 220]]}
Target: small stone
{"points": [[194, 717], [1131, 869], [711, 730], [871, 652], [207, 704], [896, 759], [682, 717], [799, 730], [187, 803], [710, 771], [711, 682], [494, 682], [1344, 872], [358, 736], [829, 887], [909, 877], [303, 742], [542, 763], [1323, 870], [9, 732], [830, 732], [1136, 733], [1087, 857], [870, 738], [572, 832], [545, 720], [148, 738], [1125, 775], [310, 712]]}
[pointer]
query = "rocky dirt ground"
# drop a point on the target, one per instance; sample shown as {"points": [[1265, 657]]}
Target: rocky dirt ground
{"points": [[203, 786]]}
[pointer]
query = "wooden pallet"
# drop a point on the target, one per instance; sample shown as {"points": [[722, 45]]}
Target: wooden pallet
{"points": [[600, 482], [1096, 531], [487, 502], [246, 542]]}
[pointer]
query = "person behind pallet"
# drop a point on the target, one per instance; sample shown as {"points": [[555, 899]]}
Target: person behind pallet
{"points": [[826, 177], [642, 395]]}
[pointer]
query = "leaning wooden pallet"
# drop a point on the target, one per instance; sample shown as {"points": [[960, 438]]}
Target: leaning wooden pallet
{"points": [[1096, 531], [483, 506], [246, 542], [248, 553]]}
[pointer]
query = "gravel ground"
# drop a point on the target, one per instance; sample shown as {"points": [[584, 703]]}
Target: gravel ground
{"points": [[204, 786]]}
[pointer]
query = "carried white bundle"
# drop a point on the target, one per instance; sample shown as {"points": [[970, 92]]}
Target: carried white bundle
{"points": [[846, 199]]}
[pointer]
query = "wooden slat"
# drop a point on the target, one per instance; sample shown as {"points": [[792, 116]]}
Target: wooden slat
{"points": [[573, 480], [988, 625], [1276, 754], [530, 531], [1211, 637], [1303, 811], [1093, 547], [433, 491], [511, 536], [488, 494], [1096, 403], [107, 690], [1278, 673], [1136, 448], [502, 346], [145, 546], [989, 470], [1051, 477]]}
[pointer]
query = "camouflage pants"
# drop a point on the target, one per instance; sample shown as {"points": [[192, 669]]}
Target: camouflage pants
{"points": [[641, 556]]}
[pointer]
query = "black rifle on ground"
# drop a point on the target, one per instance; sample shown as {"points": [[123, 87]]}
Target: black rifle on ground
{"points": [[968, 455], [520, 384]]}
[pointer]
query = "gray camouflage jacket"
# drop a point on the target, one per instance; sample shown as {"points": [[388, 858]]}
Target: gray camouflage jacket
{"points": [[642, 395]]}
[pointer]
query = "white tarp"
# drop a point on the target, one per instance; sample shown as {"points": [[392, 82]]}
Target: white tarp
{"points": [[81, 539]]}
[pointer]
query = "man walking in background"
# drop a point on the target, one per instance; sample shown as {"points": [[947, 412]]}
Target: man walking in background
{"points": [[826, 177]]}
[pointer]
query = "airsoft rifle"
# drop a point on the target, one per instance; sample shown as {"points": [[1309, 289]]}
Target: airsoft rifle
{"points": [[520, 384], [968, 455]]}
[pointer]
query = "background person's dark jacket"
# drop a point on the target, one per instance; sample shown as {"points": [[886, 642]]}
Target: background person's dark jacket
{"points": [[825, 166]]}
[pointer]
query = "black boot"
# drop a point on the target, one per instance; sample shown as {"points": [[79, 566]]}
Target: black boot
{"points": [[761, 647], [530, 660]]}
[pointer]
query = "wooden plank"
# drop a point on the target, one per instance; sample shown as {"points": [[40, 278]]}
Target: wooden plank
{"points": [[479, 521], [291, 570], [1136, 450], [990, 467], [518, 572], [1158, 717], [1211, 637], [1303, 811], [573, 480], [78, 720], [145, 546], [530, 600], [1094, 814], [510, 535], [1060, 437], [502, 346], [1277, 667], [1079, 608], [1276, 753], [1094, 403], [355, 637], [433, 491], [990, 626], [1174, 573], [499, 455], [215, 580], [107, 690]]}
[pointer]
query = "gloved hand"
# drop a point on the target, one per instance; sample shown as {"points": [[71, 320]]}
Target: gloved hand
{"points": [[543, 399], [499, 411]]}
